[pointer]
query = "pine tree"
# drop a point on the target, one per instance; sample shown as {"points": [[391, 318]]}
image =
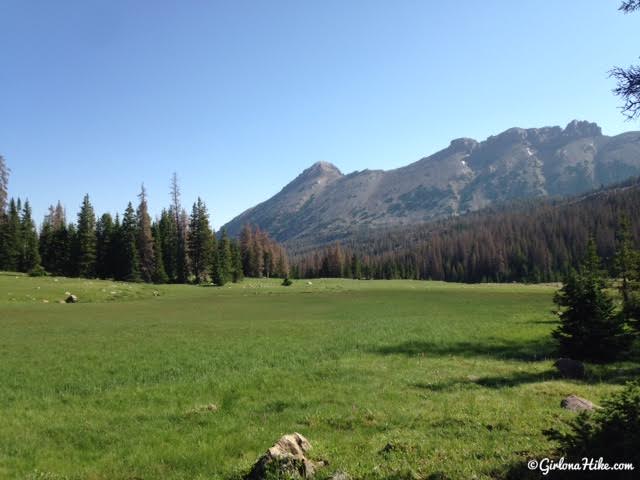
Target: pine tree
{"points": [[11, 241], [4, 186], [182, 267], [70, 267], [30, 261], [200, 241], [168, 233], [55, 242], [236, 262], [127, 247], [184, 262], [625, 259], [159, 274], [105, 254], [224, 272], [86, 240], [356, 267], [145, 242], [246, 250], [627, 266], [590, 329]]}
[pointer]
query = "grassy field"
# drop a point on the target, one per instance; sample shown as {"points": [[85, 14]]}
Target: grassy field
{"points": [[458, 378]]}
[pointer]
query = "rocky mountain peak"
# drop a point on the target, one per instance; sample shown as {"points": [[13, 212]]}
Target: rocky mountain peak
{"points": [[581, 128], [321, 169], [463, 144], [322, 204]]}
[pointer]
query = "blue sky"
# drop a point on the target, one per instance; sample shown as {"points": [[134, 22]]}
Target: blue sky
{"points": [[240, 96]]}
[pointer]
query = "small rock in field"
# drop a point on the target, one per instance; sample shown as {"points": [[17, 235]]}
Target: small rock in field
{"points": [[286, 458], [576, 404], [212, 407], [569, 368], [67, 293], [45, 301], [340, 476], [71, 299]]}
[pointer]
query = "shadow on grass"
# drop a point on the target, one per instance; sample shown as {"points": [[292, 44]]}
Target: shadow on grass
{"points": [[611, 374], [498, 349]]}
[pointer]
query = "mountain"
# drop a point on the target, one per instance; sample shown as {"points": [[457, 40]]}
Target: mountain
{"points": [[323, 204], [529, 240]]}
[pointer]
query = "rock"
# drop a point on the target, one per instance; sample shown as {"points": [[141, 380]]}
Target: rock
{"points": [[569, 368], [340, 476], [286, 458], [576, 404], [71, 299]]}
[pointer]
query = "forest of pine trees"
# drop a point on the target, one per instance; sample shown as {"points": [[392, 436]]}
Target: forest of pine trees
{"points": [[533, 241], [175, 248]]}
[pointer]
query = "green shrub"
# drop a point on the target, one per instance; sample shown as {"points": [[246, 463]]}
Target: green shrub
{"points": [[590, 327], [38, 271], [287, 282], [611, 432]]}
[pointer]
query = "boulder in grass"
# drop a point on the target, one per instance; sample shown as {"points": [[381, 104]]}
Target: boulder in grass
{"points": [[287, 458], [340, 476], [71, 299], [576, 404], [569, 368]]}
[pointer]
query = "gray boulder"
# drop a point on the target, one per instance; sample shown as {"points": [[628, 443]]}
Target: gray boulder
{"points": [[569, 368], [286, 458], [340, 476], [576, 404]]}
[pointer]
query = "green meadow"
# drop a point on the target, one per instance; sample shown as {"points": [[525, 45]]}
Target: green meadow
{"points": [[184, 382]]}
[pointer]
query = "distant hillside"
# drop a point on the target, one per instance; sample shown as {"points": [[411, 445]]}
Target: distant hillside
{"points": [[526, 240], [323, 204]]}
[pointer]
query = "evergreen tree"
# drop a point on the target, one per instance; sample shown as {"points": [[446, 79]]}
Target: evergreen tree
{"points": [[55, 244], [127, 247], [168, 233], [626, 259], [590, 329], [236, 262], [12, 241], [182, 267], [145, 242], [30, 255], [105, 254], [71, 266], [356, 267], [86, 240], [200, 241], [627, 266], [184, 262], [246, 250], [224, 271], [4, 186], [159, 273]]}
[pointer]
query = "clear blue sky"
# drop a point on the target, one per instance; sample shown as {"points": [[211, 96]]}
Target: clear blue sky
{"points": [[239, 96]]}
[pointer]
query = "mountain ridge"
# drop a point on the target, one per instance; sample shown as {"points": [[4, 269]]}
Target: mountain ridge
{"points": [[323, 204]]}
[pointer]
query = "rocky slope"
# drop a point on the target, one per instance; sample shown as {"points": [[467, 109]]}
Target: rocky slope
{"points": [[323, 204]]}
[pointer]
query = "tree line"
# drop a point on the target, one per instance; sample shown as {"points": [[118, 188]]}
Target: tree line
{"points": [[527, 241], [176, 247]]}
